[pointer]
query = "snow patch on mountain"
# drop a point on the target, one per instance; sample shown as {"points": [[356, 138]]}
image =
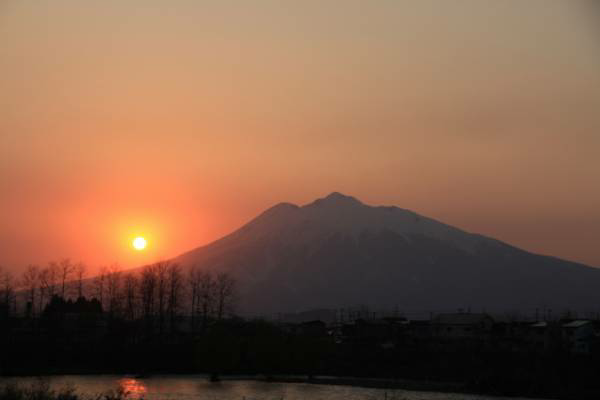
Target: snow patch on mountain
{"points": [[347, 216]]}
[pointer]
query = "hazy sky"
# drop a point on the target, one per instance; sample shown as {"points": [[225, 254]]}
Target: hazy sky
{"points": [[181, 120]]}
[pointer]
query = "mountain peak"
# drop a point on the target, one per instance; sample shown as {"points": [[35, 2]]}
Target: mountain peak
{"points": [[337, 199]]}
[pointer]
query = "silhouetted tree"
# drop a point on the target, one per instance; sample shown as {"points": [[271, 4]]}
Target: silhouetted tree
{"points": [[80, 270], [7, 294], [48, 279], [58, 306], [162, 286], [65, 269], [175, 285], [42, 280], [206, 296], [202, 295], [130, 287], [194, 282], [224, 290], [113, 285], [147, 289], [100, 285], [30, 284]]}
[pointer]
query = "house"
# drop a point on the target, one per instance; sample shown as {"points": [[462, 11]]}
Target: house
{"points": [[313, 329], [461, 325], [383, 331], [419, 330], [579, 336], [543, 336], [316, 328]]}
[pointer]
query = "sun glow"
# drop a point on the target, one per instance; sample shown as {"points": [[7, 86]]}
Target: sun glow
{"points": [[139, 243]]}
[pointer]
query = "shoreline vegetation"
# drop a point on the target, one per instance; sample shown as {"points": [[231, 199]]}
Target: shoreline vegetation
{"points": [[41, 390]]}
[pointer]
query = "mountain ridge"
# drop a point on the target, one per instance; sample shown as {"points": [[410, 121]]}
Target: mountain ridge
{"points": [[337, 251]]}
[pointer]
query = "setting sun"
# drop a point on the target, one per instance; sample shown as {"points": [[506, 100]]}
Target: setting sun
{"points": [[139, 243]]}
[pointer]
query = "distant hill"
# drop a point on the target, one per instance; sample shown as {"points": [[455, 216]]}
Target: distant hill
{"points": [[339, 252]]}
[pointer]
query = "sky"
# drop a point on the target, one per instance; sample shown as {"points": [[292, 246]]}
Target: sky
{"points": [[181, 120]]}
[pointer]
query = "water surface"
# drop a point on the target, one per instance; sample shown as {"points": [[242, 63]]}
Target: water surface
{"points": [[197, 387]]}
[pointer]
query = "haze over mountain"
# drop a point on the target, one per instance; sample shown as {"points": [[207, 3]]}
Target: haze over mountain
{"points": [[339, 252]]}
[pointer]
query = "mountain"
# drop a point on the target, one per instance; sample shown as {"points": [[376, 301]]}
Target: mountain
{"points": [[339, 252]]}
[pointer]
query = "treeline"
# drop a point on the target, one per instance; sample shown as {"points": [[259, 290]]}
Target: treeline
{"points": [[56, 319], [159, 291]]}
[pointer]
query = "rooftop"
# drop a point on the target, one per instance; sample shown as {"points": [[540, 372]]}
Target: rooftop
{"points": [[576, 324]]}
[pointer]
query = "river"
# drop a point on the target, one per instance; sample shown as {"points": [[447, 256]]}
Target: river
{"points": [[197, 387]]}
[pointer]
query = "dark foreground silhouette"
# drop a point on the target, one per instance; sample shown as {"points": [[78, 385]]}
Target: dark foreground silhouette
{"points": [[470, 352]]}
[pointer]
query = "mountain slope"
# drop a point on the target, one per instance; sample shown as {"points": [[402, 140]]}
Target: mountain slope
{"points": [[338, 252]]}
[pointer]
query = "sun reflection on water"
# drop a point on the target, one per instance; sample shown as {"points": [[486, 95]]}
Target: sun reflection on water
{"points": [[133, 387]]}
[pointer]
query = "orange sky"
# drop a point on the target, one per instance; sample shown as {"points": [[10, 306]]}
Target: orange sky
{"points": [[181, 120]]}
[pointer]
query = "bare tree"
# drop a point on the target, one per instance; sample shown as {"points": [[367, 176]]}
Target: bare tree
{"points": [[80, 270], [7, 293], [48, 277], [147, 290], [130, 286], [175, 284], [30, 284], [53, 271], [2, 305], [206, 296], [65, 269], [194, 289], [210, 297], [113, 285], [162, 286], [100, 285], [225, 286], [42, 280]]}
